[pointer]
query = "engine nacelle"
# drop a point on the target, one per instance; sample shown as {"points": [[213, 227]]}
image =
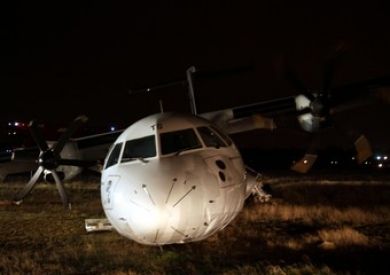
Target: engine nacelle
{"points": [[70, 151]]}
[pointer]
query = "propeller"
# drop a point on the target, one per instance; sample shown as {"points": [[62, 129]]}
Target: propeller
{"points": [[49, 159], [315, 109]]}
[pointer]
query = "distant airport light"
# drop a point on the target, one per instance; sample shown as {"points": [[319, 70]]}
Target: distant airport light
{"points": [[353, 158], [9, 123], [380, 165], [16, 123], [112, 128], [378, 157], [305, 161], [385, 157]]}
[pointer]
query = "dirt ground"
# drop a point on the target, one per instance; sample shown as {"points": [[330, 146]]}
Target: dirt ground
{"points": [[316, 224]]}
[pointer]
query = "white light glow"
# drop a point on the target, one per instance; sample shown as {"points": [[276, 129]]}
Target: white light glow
{"points": [[380, 165]]}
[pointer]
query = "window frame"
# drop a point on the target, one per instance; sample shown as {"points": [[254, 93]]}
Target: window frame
{"points": [[196, 135], [224, 144], [119, 158], [140, 157]]}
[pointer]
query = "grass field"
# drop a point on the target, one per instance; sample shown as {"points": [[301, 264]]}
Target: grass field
{"points": [[312, 225]]}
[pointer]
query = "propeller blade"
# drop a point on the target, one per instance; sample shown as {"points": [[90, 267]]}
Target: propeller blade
{"points": [[330, 67], [37, 135], [363, 149], [361, 143], [297, 84], [61, 190], [27, 189], [329, 70], [304, 164], [307, 161], [68, 133], [77, 162]]}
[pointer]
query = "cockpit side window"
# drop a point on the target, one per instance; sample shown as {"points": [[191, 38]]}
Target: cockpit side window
{"points": [[114, 155], [225, 138], [139, 148], [179, 141], [210, 138]]}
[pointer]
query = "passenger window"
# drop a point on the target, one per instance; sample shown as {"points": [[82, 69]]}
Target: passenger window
{"points": [[139, 148], [114, 155], [179, 141], [210, 138]]}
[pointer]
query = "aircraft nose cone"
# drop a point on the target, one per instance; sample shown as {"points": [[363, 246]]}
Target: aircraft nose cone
{"points": [[177, 200]]}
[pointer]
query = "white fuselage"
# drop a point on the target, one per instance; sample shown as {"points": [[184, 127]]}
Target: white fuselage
{"points": [[172, 196]]}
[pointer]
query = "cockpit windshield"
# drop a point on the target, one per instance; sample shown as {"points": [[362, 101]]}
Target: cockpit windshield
{"points": [[139, 148], [179, 141]]}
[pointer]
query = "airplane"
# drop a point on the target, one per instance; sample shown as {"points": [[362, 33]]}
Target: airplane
{"points": [[178, 178]]}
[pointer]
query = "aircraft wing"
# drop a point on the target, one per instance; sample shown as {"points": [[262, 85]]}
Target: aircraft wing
{"points": [[95, 147], [253, 116], [87, 149], [26, 161], [378, 86]]}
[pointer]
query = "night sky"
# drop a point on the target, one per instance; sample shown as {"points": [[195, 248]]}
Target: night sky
{"points": [[60, 60]]}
